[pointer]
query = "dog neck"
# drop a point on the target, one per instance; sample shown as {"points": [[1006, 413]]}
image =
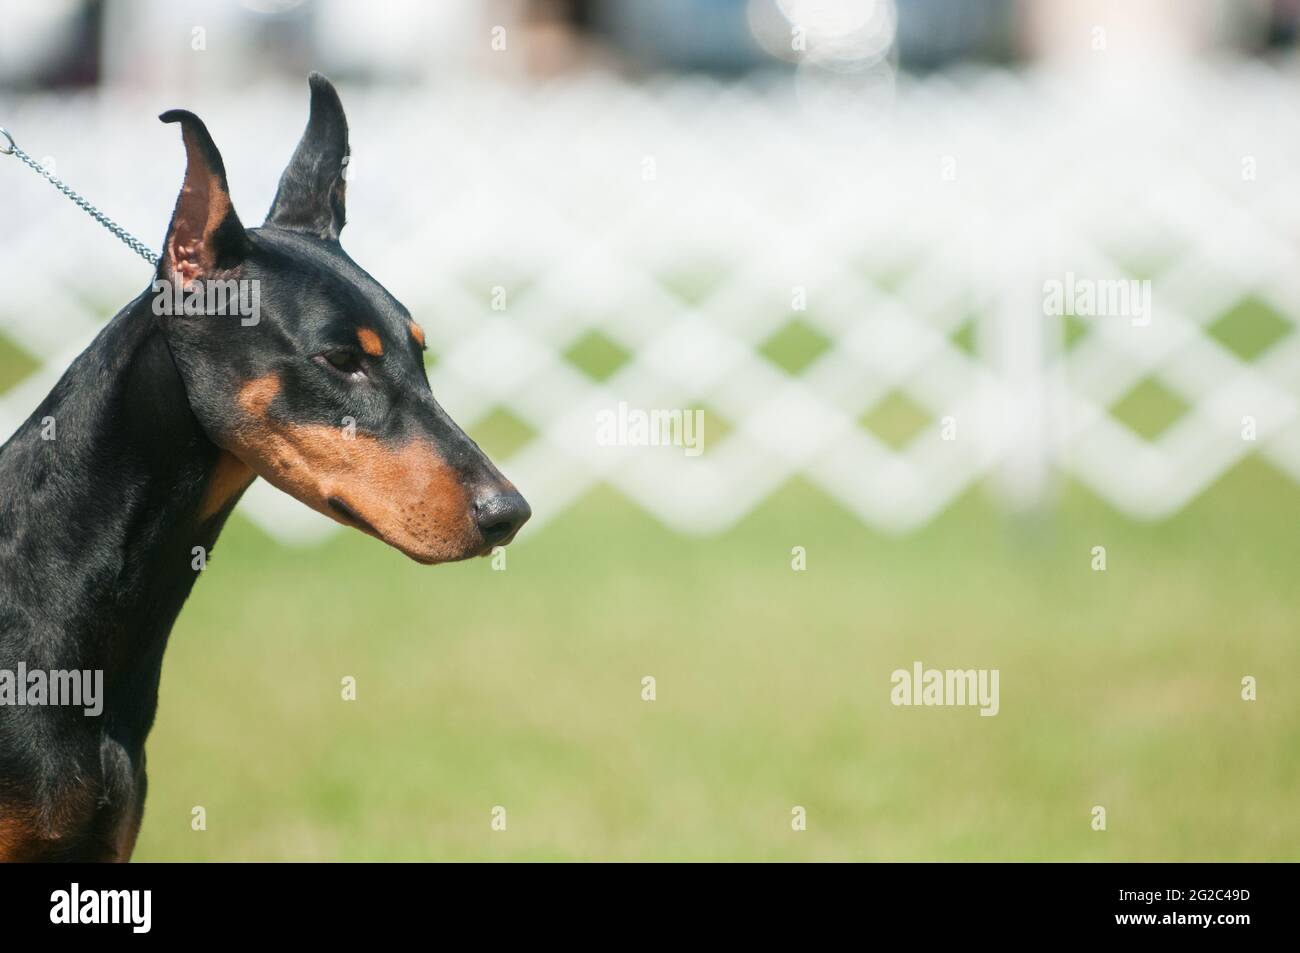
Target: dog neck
{"points": [[114, 499]]}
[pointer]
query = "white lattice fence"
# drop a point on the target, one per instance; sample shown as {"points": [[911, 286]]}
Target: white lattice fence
{"points": [[670, 230]]}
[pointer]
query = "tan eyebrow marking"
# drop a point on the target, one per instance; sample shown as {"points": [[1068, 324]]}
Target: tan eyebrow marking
{"points": [[417, 332], [370, 342]]}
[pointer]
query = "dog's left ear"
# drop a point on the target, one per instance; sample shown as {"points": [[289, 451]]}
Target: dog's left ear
{"points": [[205, 236], [312, 190]]}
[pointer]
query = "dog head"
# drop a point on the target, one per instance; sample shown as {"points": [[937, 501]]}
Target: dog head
{"points": [[306, 369]]}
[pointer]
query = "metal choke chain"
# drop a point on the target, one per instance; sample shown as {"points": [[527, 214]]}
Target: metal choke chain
{"points": [[137, 246]]}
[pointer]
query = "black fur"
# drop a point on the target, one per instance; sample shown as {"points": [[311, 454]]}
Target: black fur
{"points": [[98, 526]]}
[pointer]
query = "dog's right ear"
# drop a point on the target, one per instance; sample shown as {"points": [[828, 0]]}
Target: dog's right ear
{"points": [[312, 193], [205, 237]]}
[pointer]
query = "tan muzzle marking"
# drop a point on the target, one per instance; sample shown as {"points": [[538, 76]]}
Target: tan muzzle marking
{"points": [[407, 495]]}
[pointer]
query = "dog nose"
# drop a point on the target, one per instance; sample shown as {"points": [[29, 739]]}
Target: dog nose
{"points": [[499, 516]]}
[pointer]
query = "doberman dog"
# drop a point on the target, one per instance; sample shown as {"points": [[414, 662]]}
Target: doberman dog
{"points": [[136, 458]]}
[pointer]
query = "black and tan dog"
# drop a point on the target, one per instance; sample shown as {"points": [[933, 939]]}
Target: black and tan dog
{"points": [[143, 448]]}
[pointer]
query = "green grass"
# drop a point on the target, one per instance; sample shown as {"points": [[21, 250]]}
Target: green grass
{"points": [[896, 419], [501, 434], [1149, 409], [597, 355], [15, 364], [795, 346], [694, 282], [522, 689], [1249, 329]]}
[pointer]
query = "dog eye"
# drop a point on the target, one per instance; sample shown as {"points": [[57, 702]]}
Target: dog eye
{"points": [[343, 361]]}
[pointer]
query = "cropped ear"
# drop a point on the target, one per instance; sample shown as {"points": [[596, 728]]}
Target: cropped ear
{"points": [[311, 194], [205, 236]]}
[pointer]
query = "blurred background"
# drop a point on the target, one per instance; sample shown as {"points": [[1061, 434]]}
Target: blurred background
{"points": [[829, 226]]}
